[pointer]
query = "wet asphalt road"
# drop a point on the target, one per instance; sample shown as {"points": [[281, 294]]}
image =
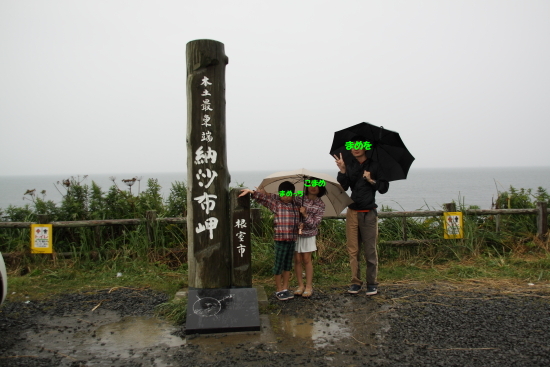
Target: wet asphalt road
{"points": [[408, 324]]}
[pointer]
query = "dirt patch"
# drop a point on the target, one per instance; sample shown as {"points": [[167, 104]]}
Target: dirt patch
{"points": [[408, 324]]}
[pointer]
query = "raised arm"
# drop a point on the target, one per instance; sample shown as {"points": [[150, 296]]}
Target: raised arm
{"points": [[313, 215]]}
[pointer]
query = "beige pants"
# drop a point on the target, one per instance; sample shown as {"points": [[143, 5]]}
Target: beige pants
{"points": [[362, 228]]}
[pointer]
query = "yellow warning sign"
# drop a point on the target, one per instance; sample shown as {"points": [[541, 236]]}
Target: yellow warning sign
{"points": [[41, 239], [452, 224]]}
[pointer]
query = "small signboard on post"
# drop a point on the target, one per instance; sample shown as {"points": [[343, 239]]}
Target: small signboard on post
{"points": [[41, 239], [452, 225]]}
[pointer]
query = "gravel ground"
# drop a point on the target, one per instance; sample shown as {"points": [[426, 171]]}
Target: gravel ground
{"points": [[407, 324]]}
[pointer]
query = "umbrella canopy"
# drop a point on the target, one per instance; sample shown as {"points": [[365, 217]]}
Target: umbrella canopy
{"points": [[386, 148], [335, 198]]}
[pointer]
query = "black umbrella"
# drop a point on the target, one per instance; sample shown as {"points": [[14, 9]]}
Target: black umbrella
{"points": [[386, 148]]}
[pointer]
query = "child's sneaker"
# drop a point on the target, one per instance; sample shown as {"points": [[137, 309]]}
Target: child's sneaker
{"points": [[354, 289], [283, 295]]}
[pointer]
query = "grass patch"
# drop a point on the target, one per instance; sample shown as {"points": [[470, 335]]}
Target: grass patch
{"points": [[65, 276], [158, 260], [175, 311]]}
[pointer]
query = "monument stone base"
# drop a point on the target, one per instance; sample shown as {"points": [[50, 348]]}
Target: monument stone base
{"points": [[222, 310]]}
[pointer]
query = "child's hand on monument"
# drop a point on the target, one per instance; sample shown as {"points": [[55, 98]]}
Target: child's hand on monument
{"points": [[246, 192]]}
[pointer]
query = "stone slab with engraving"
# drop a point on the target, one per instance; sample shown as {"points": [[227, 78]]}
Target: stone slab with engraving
{"points": [[222, 310]]}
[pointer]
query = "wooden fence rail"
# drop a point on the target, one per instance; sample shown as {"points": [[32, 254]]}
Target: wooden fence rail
{"points": [[541, 212], [94, 223]]}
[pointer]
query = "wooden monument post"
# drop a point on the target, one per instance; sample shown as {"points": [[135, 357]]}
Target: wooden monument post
{"points": [[241, 249], [208, 231], [220, 298]]}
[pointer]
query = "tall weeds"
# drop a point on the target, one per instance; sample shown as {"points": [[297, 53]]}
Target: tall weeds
{"points": [[167, 243], [83, 202]]}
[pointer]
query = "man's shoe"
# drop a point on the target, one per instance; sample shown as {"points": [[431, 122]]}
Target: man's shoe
{"points": [[354, 289], [371, 290]]}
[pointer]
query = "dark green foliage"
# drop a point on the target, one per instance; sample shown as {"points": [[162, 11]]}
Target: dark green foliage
{"points": [[83, 202], [177, 200], [74, 205], [167, 242], [520, 199], [150, 199], [19, 214], [96, 202]]}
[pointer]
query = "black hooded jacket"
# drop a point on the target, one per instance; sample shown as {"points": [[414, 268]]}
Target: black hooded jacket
{"points": [[362, 192]]}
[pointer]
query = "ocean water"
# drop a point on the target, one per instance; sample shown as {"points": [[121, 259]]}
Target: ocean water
{"points": [[424, 189]]}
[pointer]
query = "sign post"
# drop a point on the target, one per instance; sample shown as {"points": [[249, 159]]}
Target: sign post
{"points": [[209, 249], [213, 305]]}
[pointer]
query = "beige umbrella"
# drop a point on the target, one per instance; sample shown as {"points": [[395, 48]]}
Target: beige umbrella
{"points": [[335, 199]]}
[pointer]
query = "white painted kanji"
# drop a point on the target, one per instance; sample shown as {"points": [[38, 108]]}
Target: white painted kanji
{"points": [[206, 136], [206, 120], [203, 157], [210, 224], [206, 105], [240, 223], [205, 82], [241, 248], [241, 235], [207, 202], [211, 175]]}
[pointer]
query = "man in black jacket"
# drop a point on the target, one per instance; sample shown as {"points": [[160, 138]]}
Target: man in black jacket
{"points": [[364, 177]]}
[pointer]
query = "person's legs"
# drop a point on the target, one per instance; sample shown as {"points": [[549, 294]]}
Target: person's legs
{"points": [[308, 265], [279, 264], [298, 270], [288, 255], [352, 241], [278, 282], [286, 278], [284, 251], [368, 226]]}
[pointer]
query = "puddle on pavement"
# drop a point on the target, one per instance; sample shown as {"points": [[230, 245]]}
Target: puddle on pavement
{"points": [[285, 333], [319, 333], [134, 333], [105, 336]]}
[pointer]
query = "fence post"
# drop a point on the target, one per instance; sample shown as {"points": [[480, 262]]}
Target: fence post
{"points": [[97, 237], [404, 219], [542, 220], [450, 207], [43, 218], [241, 249], [151, 218]]}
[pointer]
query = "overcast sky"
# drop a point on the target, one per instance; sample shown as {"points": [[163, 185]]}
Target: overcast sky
{"points": [[100, 86]]}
